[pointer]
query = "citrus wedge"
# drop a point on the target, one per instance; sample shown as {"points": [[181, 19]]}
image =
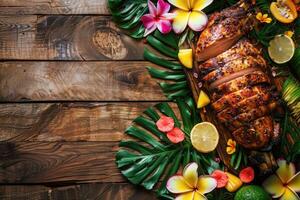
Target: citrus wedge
{"points": [[186, 57], [281, 49], [204, 137], [203, 100]]}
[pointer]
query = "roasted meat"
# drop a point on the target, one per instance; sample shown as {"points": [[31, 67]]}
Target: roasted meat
{"points": [[224, 30], [235, 74]]}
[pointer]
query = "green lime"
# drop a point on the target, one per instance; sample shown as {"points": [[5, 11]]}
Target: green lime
{"points": [[252, 192]]}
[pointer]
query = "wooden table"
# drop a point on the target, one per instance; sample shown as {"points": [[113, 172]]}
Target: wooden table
{"points": [[70, 83]]}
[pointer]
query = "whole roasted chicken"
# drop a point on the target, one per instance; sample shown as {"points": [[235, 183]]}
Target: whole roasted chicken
{"points": [[234, 73]]}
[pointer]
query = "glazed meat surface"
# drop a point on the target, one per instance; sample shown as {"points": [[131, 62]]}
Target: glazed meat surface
{"points": [[234, 73]]}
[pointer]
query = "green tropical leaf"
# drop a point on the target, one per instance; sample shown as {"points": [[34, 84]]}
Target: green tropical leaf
{"points": [[151, 157], [127, 14], [176, 85]]}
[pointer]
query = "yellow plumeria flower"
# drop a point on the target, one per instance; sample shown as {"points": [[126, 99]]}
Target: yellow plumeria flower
{"points": [[189, 12], [289, 33], [285, 183], [263, 18], [189, 186], [231, 146]]}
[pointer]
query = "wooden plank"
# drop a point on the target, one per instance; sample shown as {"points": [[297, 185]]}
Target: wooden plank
{"points": [[66, 7], [112, 191], [35, 37], [77, 81], [58, 162], [50, 122]]}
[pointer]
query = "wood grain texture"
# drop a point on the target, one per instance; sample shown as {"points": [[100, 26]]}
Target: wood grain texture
{"points": [[33, 37], [77, 81], [66, 7], [54, 162], [52, 122], [95, 191]]}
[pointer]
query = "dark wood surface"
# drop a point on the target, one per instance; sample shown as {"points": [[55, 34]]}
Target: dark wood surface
{"points": [[70, 83]]}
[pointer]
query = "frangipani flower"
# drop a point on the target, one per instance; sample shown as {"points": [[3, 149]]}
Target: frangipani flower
{"points": [[158, 18], [285, 183], [189, 186], [231, 146], [189, 12], [263, 18]]}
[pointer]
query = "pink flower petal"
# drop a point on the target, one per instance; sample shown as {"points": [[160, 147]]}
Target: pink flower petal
{"points": [[152, 8], [168, 16], [148, 21], [197, 21], [162, 7], [150, 30], [164, 26]]}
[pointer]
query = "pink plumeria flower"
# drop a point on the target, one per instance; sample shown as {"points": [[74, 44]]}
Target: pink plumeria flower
{"points": [[158, 18], [189, 13]]}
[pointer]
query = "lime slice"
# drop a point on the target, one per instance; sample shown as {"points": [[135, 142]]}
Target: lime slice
{"points": [[186, 57], [204, 137], [281, 49]]}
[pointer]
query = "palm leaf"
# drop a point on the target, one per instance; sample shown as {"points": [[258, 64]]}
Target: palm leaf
{"points": [[151, 157], [174, 83], [127, 14]]}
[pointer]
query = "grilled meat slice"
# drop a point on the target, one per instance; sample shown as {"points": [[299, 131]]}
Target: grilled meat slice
{"points": [[247, 80], [251, 115], [244, 106], [256, 134], [235, 97], [221, 36], [235, 66], [241, 49]]}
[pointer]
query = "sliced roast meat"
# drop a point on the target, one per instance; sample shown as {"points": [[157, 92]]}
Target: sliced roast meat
{"points": [[248, 80], [234, 73], [236, 66], [256, 134], [221, 36], [235, 97], [241, 49], [244, 106], [251, 115]]}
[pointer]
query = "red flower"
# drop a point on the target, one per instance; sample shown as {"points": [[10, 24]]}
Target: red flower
{"points": [[165, 124], [220, 177], [175, 135], [247, 175]]}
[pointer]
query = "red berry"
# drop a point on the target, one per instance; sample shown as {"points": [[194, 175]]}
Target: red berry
{"points": [[165, 124], [220, 177], [247, 175], [176, 135]]}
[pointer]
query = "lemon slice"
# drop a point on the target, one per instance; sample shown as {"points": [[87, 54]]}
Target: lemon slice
{"points": [[281, 49], [186, 57], [204, 137], [203, 100]]}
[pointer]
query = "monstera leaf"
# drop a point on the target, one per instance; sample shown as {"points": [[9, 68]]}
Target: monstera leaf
{"points": [[127, 14], [150, 157], [174, 83]]}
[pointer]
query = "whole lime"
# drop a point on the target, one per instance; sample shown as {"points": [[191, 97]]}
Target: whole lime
{"points": [[252, 192]]}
